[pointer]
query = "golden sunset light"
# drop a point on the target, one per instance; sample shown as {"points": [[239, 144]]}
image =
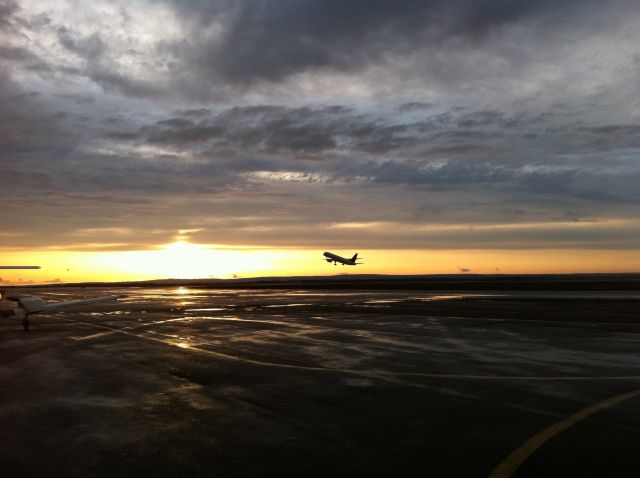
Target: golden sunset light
{"points": [[183, 260]]}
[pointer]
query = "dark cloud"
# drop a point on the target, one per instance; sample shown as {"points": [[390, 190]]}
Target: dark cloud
{"points": [[112, 81], [320, 131], [485, 136], [277, 129], [415, 106], [7, 9], [473, 236], [23, 58], [80, 99], [90, 48], [270, 40]]}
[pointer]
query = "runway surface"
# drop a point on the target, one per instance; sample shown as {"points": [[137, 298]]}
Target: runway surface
{"points": [[188, 382]]}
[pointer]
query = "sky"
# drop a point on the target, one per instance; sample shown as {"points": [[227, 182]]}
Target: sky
{"points": [[218, 138]]}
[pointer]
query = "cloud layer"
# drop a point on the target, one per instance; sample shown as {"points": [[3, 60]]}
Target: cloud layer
{"points": [[296, 123]]}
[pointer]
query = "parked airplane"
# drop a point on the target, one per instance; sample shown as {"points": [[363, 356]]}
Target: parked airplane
{"points": [[330, 257], [37, 305]]}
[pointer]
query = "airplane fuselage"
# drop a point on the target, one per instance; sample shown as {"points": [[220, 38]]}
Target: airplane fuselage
{"points": [[331, 257]]}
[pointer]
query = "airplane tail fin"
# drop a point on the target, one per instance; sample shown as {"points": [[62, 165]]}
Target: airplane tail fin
{"points": [[354, 257]]}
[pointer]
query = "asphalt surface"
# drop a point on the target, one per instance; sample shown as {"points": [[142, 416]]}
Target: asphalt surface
{"points": [[185, 382]]}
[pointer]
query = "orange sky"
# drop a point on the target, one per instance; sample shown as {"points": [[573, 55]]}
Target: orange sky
{"points": [[186, 260]]}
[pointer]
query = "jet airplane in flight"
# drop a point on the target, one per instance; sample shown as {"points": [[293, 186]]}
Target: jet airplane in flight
{"points": [[331, 257]]}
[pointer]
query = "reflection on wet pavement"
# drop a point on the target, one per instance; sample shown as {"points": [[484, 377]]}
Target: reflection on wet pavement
{"points": [[202, 382], [359, 332]]}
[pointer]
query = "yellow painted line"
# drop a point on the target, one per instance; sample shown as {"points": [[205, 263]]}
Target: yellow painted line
{"points": [[515, 459]]}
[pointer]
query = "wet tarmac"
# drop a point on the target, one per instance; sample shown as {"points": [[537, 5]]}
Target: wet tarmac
{"points": [[235, 383]]}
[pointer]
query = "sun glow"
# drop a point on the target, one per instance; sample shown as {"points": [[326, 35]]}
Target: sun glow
{"points": [[184, 260]]}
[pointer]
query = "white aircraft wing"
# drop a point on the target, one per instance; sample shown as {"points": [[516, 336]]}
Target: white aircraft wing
{"points": [[94, 300], [37, 305]]}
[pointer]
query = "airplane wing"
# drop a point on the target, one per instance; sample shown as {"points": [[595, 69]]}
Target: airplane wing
{"points": [[37, 305], [94, 300]]}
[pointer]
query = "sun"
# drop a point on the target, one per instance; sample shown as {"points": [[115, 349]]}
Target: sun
{"points": [[184, 247], [185, 260]]}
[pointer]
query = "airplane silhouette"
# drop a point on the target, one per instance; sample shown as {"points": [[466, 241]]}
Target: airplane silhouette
{"points": [[331, 257]]}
